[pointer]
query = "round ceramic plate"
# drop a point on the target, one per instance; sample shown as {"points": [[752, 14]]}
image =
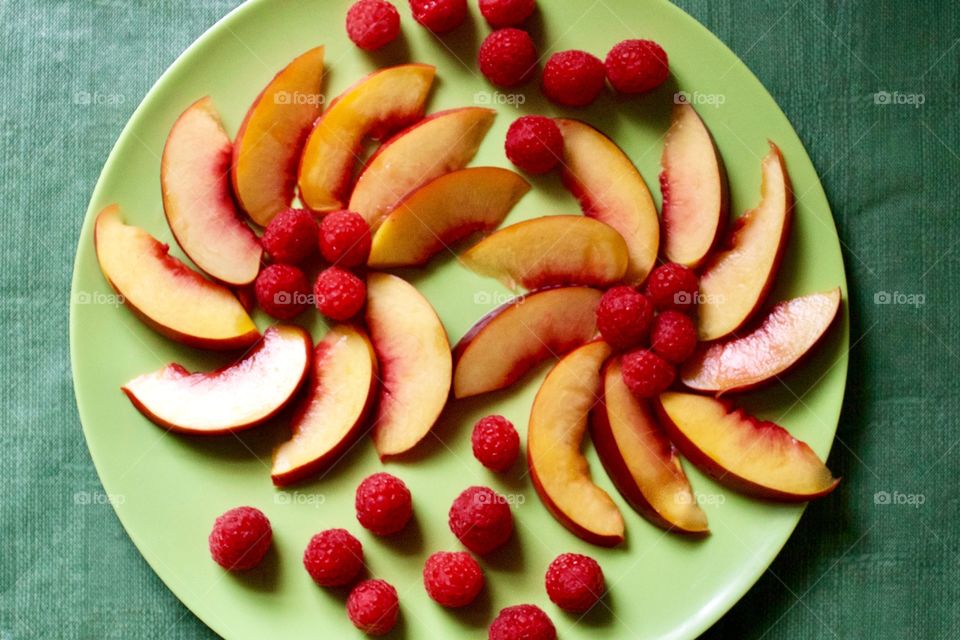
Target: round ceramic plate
{"points": [[167, 489]]}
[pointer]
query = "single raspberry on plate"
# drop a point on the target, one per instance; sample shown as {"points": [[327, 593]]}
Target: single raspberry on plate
{"points": [[637, 66], [574, 582], [508, 57], [291, 237], [674, 336], [573, 78], [673, 286], [496, 443], [333, 558], [646, 374], [624, 316], [282, 291], [345, 239], [372, 24], [373, 607], [452, 578], [383, 504], [481, 519], [240, 538], [339, 294], [439, 16], [534, 144], [506, 13], [522, 622]]}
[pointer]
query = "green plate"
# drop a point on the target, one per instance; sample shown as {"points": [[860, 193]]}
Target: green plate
{"points": [[167, 489]]}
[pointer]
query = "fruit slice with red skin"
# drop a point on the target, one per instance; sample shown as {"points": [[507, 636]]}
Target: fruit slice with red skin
{"points": [[749, 455], [696, 200], [268, 146], [167, 295], [438, 144], [443, 212], [558, 423], [601, 176], [513, 338], [785, 336], [640, 460], [415, 364], [236, 397], [736, 281], [381, 103], [340, 394], [551, 250]]}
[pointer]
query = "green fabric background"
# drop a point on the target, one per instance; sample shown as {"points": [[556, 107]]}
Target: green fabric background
{"points": [[853, 569]]}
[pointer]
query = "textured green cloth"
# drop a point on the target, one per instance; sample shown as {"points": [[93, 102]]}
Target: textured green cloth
{"points": [[74, 70]]}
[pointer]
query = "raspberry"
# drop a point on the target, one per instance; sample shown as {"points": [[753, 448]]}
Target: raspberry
{"points": [[637, 66], [339, 294], [495, 443], [535, 144], [624, 316], [508, 57], [372, 24], [646, 374], [674, 336], [240, 538], [574, 582], [291, 237], [383, 504], [522, 622], [506, 13], [481, 519], [345, 239], [333, 558], [439, 16], [673, 286], [573, 78], [453, 579], [373, 607], [282, 291]]}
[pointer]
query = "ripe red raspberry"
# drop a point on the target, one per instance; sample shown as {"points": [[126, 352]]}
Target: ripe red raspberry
{"points": [[534, 144], [646, 374], [453, 579], [373, 607], [574, 582], [673, 286], [624, 316], [439, 16], [508, 57], [573, 78], [345, 239], [495, 443], [372, 24], [481, 519], [522, 622], [339, 294], [240, 538], [637, 66], [383, 504], [333, 558], [291, 237], [506, 13], [282, 291], [673, 337]]}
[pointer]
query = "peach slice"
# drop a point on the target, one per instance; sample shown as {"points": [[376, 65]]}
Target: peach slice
{"points": [[236, 397], [640, 460], [443, 212], [415, 364], [267, 150], [342, 386], [789, 332], [752, 456], [735, 282], [381, 103], [167, 295], [558, 423], [510, 340], [440, 143], [696, 200], [601, 176]]}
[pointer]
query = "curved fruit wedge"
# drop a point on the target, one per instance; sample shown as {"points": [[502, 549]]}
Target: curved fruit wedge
{"points": [[788, 333], [736, 281], [267, 151], [514, 337], [236, 397], [746, 454], [414, 355], [440, 143], [601, 176], [696, 200], [167, 295], [444, 211], [558, 422], [381, 103], [552, 250], [340, 393], [640, 459]]}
